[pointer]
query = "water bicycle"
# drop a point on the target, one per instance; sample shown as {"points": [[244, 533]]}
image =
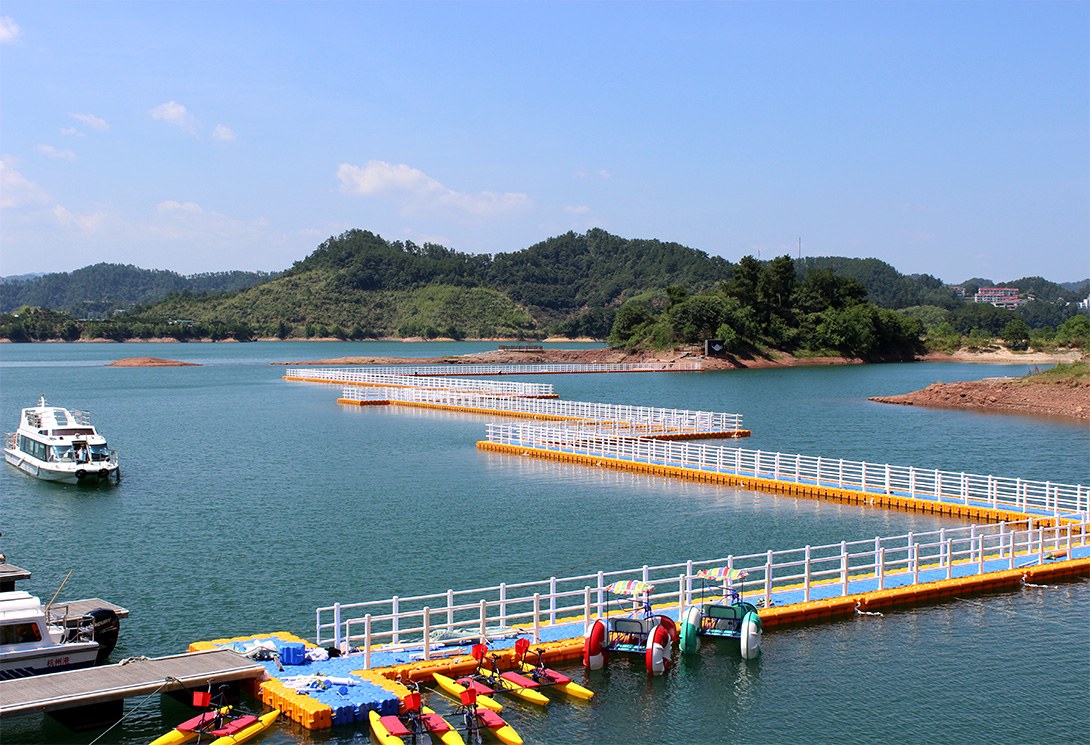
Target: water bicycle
{"points": [[543, 676], [640, 631], [729, 618], [415, 725], [489, 680], [216, 726], [478, 720]]}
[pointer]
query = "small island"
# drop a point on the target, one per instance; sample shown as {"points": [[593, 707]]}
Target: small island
{"points": [[150, 362], [1063, 391]]}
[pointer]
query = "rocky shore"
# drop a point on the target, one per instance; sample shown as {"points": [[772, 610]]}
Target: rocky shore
{"points": [[1055, 398]]}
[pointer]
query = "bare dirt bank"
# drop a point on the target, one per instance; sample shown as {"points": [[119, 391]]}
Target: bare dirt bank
{"points": [[1057, 398], [150, 362]]}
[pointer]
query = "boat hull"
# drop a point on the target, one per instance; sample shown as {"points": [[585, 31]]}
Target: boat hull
{"points": [[87, 473], [263, 723], [568, 687], [16, 663]]}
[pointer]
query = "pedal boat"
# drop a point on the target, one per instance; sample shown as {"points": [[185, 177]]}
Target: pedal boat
{"points": [[217, 728], [456, 688], [641, 631], [728, 618], [544, 676]]}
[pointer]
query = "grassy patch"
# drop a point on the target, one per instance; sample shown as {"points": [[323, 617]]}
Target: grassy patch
{"points": [[1073, 373]]}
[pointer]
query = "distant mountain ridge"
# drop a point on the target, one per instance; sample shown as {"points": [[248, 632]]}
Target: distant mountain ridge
{"points": [[103, 289]]}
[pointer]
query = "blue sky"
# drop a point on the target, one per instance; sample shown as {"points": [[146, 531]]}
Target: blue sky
{"points": [[942, 137]]}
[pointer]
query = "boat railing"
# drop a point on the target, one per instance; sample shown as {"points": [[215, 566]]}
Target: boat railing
{"points": [[81, 417], [11, 440], [1016, 494], [430, 624], [365, 377]]}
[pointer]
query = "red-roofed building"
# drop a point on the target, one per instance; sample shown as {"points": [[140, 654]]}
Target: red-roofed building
{"points": [[1000, 297]]}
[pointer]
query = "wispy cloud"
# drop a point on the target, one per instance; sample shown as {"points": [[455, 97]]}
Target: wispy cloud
{"points": [[174, 113], [419, 193], [72, 131], [17, 191], [602, 174], [92, 222], [581, 209], [9, 29], [92, 121], [223, 133], [53, 152]]}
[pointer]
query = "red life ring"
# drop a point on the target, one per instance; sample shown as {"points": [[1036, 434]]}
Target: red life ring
{"points": [[594, 652], [671, 628]]}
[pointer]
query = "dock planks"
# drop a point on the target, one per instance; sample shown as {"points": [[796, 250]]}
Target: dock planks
{"points": [[106, 683]]}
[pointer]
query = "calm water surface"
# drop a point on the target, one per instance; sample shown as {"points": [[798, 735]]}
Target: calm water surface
{"points": [[247, 501]]}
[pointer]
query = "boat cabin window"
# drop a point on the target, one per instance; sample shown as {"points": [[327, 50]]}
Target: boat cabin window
{"points": [[33, 448], [73, 431], [20, 633], [61, 452]]}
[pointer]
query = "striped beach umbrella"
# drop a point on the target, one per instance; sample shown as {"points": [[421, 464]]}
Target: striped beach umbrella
{"points": [[722, 573], [630, 587]]}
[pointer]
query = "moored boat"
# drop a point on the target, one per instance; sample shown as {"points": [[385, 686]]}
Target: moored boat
{"points": [[57, 444], [34, 642]]}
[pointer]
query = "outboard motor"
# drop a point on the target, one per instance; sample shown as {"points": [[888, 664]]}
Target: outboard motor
{"points": [[104, 626]]}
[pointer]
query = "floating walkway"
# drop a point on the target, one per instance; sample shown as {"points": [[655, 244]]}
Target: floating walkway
{"points": [[604, 420], [457, 370], [989, 498], [1030, 531], [411, 380]]}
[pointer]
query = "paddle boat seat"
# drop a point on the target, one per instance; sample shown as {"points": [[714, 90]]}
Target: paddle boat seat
{"points": [[235, 726], [723, 612], [394, 726], [632, 626]]}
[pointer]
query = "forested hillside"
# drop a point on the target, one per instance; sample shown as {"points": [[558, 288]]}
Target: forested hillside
{"points": [[358, 285], [100, 290]]}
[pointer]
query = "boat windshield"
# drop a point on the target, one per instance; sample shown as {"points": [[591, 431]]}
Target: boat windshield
{"points": [[61, 452], [99, 452]]}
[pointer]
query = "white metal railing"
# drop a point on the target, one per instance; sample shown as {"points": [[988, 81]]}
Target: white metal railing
{"points": [[430, 623], [364, 376], [679, 365], [878, 478], [618, 417]]}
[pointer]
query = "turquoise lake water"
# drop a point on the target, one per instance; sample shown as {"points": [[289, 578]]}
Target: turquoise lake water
{"points": [[248, 501]]}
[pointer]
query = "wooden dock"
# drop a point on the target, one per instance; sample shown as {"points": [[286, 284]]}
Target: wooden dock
{"points": [[114, 683]]}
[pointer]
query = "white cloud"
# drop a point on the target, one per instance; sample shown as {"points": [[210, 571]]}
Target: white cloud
{"points": [[89, 223], [17, 191], [223, 133], [72, 131], [92, 121], [174, 113], [53, 152], [577, 210], [602, 174], [419, 192], [188, 221], [9, 29]]}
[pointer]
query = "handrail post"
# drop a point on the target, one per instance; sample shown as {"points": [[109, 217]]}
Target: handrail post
{"points": [[450, 609], [366, 642], [537, 618], [806, 577], [552, 600], [484, 622], [844, 566], [768, 581], [586, 610], [503, 603], [881, 568], [427, 633], [337, 625], [949, 558], [394, 612], [601, 590], [680, 596]]}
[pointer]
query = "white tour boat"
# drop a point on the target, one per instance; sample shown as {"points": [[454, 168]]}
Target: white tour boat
{"points": [[57, 444]]}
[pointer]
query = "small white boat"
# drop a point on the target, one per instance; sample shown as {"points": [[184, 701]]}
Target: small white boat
{"points": [[30, 644], [57, 444]]}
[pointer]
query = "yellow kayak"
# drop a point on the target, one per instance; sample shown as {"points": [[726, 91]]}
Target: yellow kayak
{"points": [[553, 679], [239, 731], [455, 689]]}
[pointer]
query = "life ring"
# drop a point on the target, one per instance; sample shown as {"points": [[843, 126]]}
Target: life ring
{"points": [[657, 656], [690, 630], [595, 654]]}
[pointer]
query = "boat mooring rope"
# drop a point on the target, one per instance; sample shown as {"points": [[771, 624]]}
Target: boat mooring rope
{"points": [[162, 685]]}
